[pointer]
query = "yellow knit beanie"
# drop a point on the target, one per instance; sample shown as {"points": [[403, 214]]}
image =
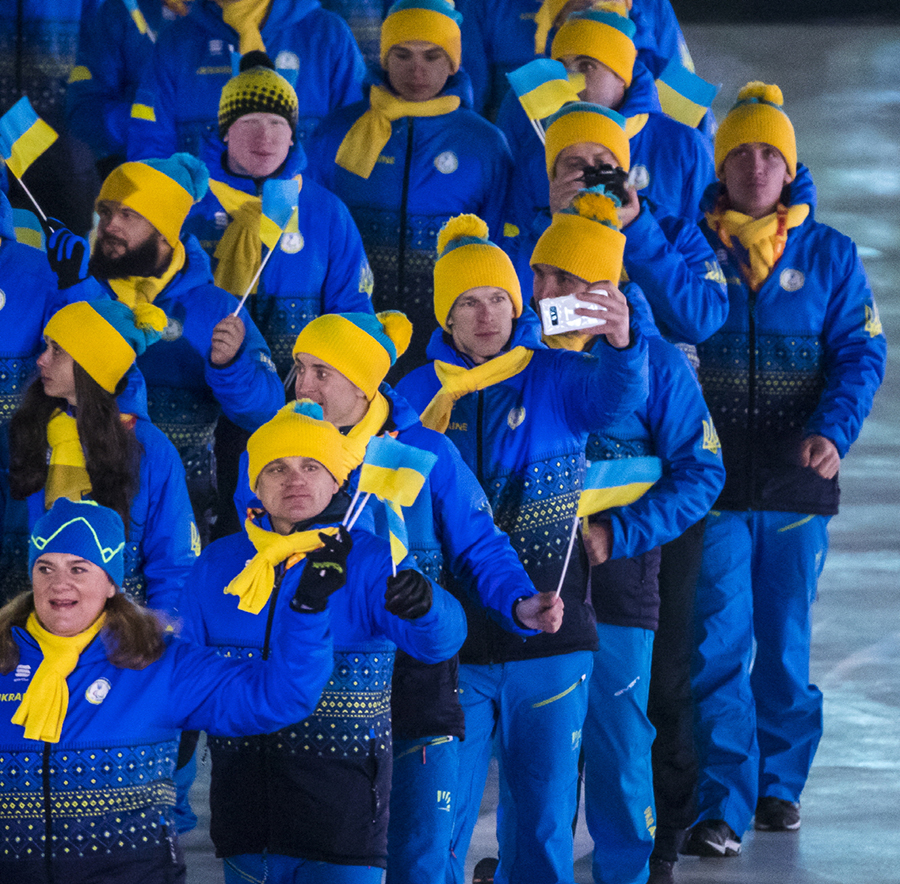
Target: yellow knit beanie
{"points": [[580, 122], [360, 346], [467, 259], [298, 430], [605, 36], [435, 21], [758, 117], [584, 240]]}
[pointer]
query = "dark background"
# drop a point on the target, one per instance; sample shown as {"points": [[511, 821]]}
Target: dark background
{"points": [[787, 10]]}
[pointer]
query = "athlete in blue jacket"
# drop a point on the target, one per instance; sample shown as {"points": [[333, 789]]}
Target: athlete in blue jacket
{"points": [[520, 415], [175, 105], [341, 361], [208, 360], [411, 157], [319, 788], [789, 379], [319, 265], [102, 691]]}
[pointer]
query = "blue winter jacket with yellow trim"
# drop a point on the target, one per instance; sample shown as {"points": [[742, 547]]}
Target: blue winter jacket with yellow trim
{"points": [[524, 439], [675, 426], [431, 169], [802, 356], [176, 105], [319, 788], [320, 269], [104, 792]]}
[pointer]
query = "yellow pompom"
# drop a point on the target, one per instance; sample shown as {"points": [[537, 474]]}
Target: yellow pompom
{"points": [[763, 92], [597, 207], [397, 327], [149, 316], [460, 226], [619, 7]]}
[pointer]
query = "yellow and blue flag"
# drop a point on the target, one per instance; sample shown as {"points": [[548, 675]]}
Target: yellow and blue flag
{"points": [[395, 473], [610, 483], [24, 136], [542, 87], [683, 95], [279, 209], [138, 18]]}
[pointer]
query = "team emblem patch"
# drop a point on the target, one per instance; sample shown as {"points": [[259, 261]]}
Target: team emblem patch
{"points": [[640, 176], [366, 279], [2, 299], [791, 280], [873, 321], [97, 692], [710, 437], [173, 330], [291, 243], [446, 162], [515, 417], [221, 220], [288, 65]]}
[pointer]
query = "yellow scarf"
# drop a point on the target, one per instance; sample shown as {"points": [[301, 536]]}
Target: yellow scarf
{"points": [[571, 340], [44, 706], [367, 137], [544, 20], [763, 239], [246, 16], [371, 424], [458, 381], [144, 289], [255, 583]]}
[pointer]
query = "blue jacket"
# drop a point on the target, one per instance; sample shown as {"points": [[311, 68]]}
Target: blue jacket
{"points": [[498, 37], [431, 169], [163, 542], [105, 789], [323, 269], [111, 55], [318, 789], [525, 439], [670, 260], [675, 426], [802, 356], [672, 163], [365, 18], [176, 105]]}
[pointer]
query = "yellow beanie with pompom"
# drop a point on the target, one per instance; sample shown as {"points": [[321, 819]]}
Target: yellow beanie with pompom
{"points": [[360, 346], [757, 117], [467, 259], [584, 240]]}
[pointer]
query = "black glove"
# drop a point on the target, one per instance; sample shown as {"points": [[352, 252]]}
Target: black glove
{"points": [[325, 572], [67, 253], [408, 595]]}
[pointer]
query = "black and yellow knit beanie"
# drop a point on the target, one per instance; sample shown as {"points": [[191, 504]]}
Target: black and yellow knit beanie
{"points": [[257, 89]]}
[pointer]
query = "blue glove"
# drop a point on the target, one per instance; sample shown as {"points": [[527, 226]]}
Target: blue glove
{"points": [[67, 253]]}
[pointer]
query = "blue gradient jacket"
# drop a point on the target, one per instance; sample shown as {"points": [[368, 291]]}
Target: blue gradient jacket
{"points": [[672, 163], [319, 788], [675, 426], [176, 106], [498, 37], [802, 356], [525, 439], [365, 18], [431, 169], [105, 790], [321, 269]]}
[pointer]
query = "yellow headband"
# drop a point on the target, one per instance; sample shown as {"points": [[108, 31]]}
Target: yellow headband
{"points": [[579, 127], [422, 24], [152, 194], [92, 342]]}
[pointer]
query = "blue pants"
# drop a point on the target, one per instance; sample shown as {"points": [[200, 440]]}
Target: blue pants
{"points": [[537, 709], [618, 775], [759, 718], [273, 868], [423, 800]]}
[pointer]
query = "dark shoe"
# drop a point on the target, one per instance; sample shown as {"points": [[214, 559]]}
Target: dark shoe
{"points": [[483, 872], [777, 815], [661, 871], [714, 838]]}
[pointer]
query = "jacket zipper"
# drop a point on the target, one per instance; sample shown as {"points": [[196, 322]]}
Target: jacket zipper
{"points": [[273, 599], [48, 815], [751, 403], [404, 199], [479, 473]]}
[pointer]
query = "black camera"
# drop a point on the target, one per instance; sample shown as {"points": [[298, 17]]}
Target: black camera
{"points": [[612, 178]]}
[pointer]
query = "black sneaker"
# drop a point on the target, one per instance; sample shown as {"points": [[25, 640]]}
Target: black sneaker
{"points": [[777, 815], [483, 873], [661, 871], [713, 838]]}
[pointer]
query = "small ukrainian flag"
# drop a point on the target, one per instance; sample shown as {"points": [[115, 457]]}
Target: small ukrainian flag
{"points": [[279, 210], [610, 483], [24, 136], [542, 87], [683, 95]]}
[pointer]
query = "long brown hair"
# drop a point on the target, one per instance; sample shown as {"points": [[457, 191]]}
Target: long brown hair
{"points": [[133, 636], [112, 452]]}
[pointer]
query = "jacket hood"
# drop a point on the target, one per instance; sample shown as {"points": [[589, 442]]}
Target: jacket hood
{"points": [[214, 153], [800, 191], [526, 333], [457, 84], [641, 97], [133, 399]]}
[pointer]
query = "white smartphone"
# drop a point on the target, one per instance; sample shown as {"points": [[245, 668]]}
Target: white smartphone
{"points": [[558, 314]]}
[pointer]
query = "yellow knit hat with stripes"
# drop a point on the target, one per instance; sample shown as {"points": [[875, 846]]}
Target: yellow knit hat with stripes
{"points": [[434, 21]]}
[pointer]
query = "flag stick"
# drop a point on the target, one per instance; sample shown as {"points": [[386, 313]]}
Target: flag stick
{"points": [[29, 195], [359, 510], [539, 129], [290, 376], [258, 273], [562, 576], [350, 508]]}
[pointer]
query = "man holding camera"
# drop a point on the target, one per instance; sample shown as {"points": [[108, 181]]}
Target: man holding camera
{"points": [[520, 415]]}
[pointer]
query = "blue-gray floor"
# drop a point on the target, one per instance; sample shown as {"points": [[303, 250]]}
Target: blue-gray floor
{"points": [[842, 91]]}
